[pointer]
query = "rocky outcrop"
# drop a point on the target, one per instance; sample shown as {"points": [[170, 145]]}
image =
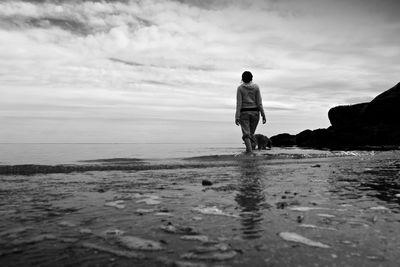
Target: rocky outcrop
{"points": [[361, 126], [283, 139]]}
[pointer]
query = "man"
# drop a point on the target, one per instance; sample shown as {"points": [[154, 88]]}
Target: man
{"points": [[248, 109]]}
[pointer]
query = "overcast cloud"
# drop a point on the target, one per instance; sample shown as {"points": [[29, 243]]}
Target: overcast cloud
{"points": [[167, 71]]}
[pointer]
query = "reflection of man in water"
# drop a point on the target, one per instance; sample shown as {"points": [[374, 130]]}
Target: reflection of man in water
{"points": [[248, 109], [250, 198]]}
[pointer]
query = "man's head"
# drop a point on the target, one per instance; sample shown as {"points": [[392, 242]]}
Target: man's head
{"points": [[247, 77]]}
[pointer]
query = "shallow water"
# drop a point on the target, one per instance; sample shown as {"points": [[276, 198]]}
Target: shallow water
{"points": [[348, 201], [11, 154]]}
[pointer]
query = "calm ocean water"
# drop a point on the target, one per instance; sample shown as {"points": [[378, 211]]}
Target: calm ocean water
{"points": [[73, 153]]}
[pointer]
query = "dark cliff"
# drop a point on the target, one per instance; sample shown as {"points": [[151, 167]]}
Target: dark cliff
{"points": [[360, 126]]}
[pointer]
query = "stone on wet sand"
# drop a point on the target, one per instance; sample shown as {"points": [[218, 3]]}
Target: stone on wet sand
{"points": [[121, 253], [137, 243], [294, 237], [206, 183], [119, 204], [300, 219]]}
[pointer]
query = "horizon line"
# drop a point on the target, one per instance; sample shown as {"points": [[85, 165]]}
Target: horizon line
{"points": [[109, 143]]}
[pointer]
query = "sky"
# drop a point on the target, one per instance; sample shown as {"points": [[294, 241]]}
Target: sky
{"points": [[153, 71]]}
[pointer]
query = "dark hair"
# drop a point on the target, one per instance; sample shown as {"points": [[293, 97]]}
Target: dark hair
{"points": [[247, 77]]}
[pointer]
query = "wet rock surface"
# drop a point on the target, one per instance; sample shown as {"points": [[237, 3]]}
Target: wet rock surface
{"points": [[277, 212]]}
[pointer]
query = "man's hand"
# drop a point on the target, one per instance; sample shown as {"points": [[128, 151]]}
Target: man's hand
{"points": [[237, 122], [264, 120]]}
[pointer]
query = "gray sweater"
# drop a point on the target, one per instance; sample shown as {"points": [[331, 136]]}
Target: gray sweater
{"points": [[248, 96]]}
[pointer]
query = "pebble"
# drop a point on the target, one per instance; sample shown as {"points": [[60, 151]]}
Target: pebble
{"points": [[300, 219], [206, 183]]}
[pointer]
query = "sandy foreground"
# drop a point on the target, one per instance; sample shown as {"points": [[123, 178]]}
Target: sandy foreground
{"points": [[206, 211]]}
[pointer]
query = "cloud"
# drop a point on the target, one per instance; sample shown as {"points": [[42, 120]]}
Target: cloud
{"points": [[182, 60]]}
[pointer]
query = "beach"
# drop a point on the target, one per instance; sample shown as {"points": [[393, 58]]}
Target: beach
{"points": [[281, 207]]}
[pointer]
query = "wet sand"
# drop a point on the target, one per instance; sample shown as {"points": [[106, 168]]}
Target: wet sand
{"points": [[208, 211]]}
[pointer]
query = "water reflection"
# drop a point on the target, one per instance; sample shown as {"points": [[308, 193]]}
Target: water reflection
{"points": [[251, 197], [370, 179], [384, 181]]}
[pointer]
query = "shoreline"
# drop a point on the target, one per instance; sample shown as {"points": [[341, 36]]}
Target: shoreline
{"points": [[137, 164]]}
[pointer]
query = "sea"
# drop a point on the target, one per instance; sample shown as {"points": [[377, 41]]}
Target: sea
{"points": [[72, 153]]}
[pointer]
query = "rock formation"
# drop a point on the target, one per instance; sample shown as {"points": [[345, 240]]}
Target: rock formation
{"points": [[375, 124]]}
